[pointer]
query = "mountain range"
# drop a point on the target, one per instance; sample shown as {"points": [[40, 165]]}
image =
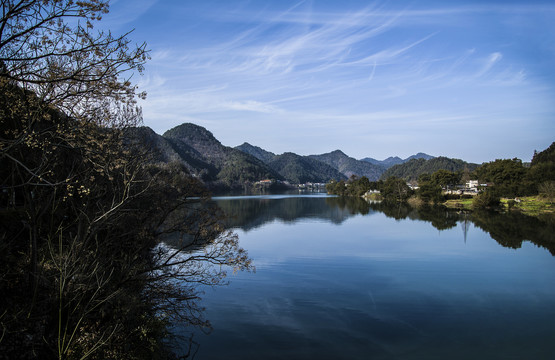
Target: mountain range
{"points": [[395, 160], [223, 167]]}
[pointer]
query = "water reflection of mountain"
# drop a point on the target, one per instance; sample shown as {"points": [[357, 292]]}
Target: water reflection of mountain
{"points": [[509, 230], [249, 213]]}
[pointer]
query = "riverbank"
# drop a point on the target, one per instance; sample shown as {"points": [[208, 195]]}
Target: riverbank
{"points": [[529, 205]]}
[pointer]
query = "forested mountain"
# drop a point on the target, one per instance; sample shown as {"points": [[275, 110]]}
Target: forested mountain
{"points": [[349, 166], [257, 152], [302, 169], [395, 160], [206, 157], [220, 166], [295, 168], [411, 169], [161, 149]]}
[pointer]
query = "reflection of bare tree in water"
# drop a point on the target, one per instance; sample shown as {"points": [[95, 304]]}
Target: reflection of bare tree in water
{"points": [[193, 250]]}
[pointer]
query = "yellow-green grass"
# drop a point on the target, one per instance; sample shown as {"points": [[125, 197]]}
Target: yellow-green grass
{"points": [[465, 204], [531, 205]]}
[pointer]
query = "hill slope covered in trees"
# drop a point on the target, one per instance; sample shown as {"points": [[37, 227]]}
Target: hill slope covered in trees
{"points": [[301, 169], [410, 170], [349, 166], [257, 152], [213, 162]]}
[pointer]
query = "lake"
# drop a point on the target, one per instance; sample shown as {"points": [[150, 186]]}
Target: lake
{"points": [[346, 279]]}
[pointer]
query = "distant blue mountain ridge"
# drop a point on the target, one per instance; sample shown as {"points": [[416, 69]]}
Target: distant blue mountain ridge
{"points": [[395, 160]]}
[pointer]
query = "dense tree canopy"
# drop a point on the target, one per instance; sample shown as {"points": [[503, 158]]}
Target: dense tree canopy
{"points": [[412, 169], [508, 176], [542, 169], [395, 190]]}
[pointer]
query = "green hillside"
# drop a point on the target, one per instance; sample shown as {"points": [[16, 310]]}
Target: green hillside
{"points": [[301, 169], [349, 166], [214, 163], [411, 169]]}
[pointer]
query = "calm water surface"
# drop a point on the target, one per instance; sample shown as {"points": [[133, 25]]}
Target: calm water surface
{"points": [[339, 279]]}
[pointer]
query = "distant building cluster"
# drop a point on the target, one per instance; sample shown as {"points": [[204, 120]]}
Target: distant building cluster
{"points": [[472, 187], [312, 186]]}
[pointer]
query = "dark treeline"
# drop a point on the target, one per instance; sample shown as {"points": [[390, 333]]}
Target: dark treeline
{"points": [[83, 272], [393, 189]]}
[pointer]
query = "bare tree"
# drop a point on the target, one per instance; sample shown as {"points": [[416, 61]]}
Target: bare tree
{"points": [[50, 47], [82, 269]]}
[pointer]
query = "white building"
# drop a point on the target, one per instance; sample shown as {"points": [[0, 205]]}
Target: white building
{"points": [[472, 184]]}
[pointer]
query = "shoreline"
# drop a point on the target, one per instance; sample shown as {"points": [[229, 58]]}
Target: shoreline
{"points": [[528, 205]]}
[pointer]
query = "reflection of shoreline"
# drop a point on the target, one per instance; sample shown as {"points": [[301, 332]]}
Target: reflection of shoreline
{"points": [[509, 230], [248, 213]]}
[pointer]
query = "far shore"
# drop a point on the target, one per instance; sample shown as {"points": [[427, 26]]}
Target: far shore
{"points": [[529, 205]]}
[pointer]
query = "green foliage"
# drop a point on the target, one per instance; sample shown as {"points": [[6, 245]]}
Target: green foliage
{"points": [[430, 187], [547, 190], [336, 187], [357, 186], [354, 187], [507, 176], [395, 190], [486, 200], [545, 156], [429, 192], [446, 178], [411, 170], [542, 168]]}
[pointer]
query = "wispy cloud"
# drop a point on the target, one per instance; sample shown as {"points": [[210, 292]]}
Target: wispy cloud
{"points": [[313, 65], [251, 105], [491, 60], [123, 12]]}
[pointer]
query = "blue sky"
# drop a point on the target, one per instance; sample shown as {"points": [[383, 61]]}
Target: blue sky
{"points": [[473, 80]]}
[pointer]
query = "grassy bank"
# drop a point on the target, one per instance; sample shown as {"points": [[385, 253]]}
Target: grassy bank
{"points": [[529, 205]]}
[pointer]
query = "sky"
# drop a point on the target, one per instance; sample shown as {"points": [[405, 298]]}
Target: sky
{"points": [[473, 80]]}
